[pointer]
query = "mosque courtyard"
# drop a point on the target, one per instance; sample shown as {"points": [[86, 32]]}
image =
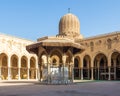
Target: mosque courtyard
{"points": [[91, 88]]}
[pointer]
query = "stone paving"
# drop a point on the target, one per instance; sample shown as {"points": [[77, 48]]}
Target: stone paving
{"points": [[102, 88]]}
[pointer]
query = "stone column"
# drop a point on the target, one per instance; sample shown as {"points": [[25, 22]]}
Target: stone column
{"points": [[98, 62], [19, 67], [114, 62], [0, 73], [91, 73], [48, 68], [48, 63], [9, 69], [72, 69], [109, 73], [39, 73], [28, 75], [36, 70], [81, 73], [92, 69], [88, 70], [64, 61], [81, 69]]}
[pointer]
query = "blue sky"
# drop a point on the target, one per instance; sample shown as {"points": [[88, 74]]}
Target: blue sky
{"points": [[32, 19]]}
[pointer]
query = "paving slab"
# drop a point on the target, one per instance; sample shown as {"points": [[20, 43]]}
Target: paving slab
{"points": [[103, 88]]}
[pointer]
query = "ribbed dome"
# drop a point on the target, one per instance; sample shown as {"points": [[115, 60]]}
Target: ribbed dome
{"points": [[69, 25]]}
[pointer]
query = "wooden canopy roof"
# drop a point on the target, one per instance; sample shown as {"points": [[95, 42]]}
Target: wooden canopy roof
{"points": [[53, 42]]}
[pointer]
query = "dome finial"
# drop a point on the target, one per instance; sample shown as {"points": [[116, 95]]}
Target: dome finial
{"points": [[68, 10]]}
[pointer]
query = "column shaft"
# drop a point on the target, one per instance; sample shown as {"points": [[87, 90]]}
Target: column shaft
{"points": [[0, 73], [114, 61], [48, 69], [98, 69], [28, 75], [36, 70], [109, 70], [81, 73], [19, 67], [72, 69], [9, 69], [64, 61], [91, 73]]}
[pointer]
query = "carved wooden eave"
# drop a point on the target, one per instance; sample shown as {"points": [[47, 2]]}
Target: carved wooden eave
{"points": [[55, 42]]}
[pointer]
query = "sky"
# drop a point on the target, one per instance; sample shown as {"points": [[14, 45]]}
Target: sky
{"points": [[32, 19]]}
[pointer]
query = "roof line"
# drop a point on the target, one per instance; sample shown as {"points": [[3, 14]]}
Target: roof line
{"points": [[15, 36], [103, 35]]}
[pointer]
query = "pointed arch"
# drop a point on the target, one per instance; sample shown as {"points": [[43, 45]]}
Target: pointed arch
{"points": [[58, 53], [77, 67], [24, 67], [14, 66], [14, 60], [55, 60], [86, 67], [115, 65], [24, 61], [32, 62], [3, 59], [4, 66], [101, 67], [32, 71]]}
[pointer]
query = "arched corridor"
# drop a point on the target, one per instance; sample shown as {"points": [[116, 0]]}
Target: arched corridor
{"points": [[118, 67], [33, 69], [77, 68], [100, 67], [14, 67], [24, 68], [4, 66], [115, 66], [86, 67]]}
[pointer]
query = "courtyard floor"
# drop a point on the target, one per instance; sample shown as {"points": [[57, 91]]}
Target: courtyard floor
{"points": [[92, 88]]}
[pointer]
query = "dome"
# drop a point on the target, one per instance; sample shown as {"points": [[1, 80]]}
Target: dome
{"points": [[69, 25]]}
